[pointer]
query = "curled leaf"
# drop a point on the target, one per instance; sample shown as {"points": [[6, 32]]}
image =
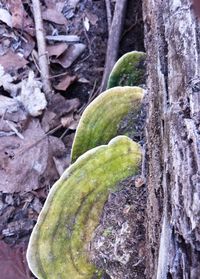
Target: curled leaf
{"points": [[52, 15], [70, 55], [129, 70], [100, 121], [59, 244]]}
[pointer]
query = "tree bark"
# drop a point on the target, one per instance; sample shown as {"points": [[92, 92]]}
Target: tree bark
{"points": [[172, 39]]}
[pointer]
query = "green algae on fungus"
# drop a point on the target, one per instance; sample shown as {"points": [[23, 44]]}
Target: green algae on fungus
{"points": [[100, 120], [59, 243], [129, 70]]}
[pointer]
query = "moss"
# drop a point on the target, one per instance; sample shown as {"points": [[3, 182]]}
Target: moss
{"points": [[107, 231], [99, 122], [59, 244], [129, 70]]}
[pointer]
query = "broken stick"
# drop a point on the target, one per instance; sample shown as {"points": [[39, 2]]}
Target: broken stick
{"points": [[42, 53], [113, 40], [109, 14]]}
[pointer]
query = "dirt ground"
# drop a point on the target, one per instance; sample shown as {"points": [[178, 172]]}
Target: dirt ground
{"points": [[75, 86]]}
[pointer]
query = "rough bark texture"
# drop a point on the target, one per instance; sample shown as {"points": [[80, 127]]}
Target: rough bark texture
{"points": [[172, 38]]}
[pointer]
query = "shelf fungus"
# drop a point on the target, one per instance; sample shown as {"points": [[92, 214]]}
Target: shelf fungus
{"points": [[59, 246], [129, 70], [101, 120]]}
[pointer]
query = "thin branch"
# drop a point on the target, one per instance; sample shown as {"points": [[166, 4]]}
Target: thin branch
{"points": [[113, 40], [41, 44], [14, 129], [109, 14]]}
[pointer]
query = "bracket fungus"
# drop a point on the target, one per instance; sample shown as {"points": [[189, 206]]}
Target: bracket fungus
{"points": [[59, 244], [129, 70], [100, 120]]}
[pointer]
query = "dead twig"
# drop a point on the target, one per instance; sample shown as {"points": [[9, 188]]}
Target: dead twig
{"points": [[34, 58], [88, 40], [109, 14], [113, 40], [42, 53], [72, 39], [64, 133], [14, 129], [59, 75]]}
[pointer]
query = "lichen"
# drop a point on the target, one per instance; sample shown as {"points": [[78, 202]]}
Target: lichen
{"points": [[129, 70], [99, 122], [59, 244]]}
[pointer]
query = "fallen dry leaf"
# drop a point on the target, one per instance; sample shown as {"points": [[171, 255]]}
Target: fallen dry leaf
{"points": [[65, 83], [92, 18], [27, 45], [67, 120], [27, 164], [59, 165], [56, 49], [58, 148], [12, 61], [55, 4], [20, 19], [70, 121], [64, 38], [70, 55], [57, 108], [13, 263], [61, 106], [6, 17], [52, 15]]}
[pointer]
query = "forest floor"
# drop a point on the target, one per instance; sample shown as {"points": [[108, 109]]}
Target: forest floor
{"points": [[35, 147]]}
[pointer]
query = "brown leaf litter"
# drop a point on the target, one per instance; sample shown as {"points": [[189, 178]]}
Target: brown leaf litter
{"points": [[65, 82], [20, 18], [70, 55], [26, 164], [54, 16], [6, 17], [58, 108], [12, 61], [13, 262], [56, 49]]}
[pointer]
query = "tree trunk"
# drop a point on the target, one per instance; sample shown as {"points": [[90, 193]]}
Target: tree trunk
{"points": [[172, 39]]}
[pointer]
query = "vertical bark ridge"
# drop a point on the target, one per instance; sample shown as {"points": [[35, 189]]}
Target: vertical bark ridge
{"points": [[173, 209]]}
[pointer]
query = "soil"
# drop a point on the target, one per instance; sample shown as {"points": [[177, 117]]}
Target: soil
{"points": [[19, 211]]}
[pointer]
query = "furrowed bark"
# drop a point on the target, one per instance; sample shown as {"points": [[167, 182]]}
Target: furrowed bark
{"points": [[173, 145]]}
